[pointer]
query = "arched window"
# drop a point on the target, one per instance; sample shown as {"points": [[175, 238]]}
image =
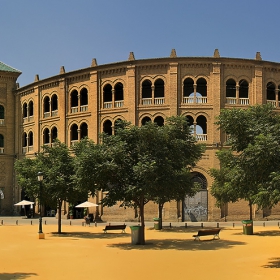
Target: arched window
{"points": [[46, 136], [118, 91], [188, 87], [145, 120], [54, 102], [30, 139], [270, 91], [107, 96], [201, 128], [107, 93], [84, 97], [146, 89], [74, 101], [243, 89], [74, 133], [24, 140], [159, 88], [30, 109], [46, 107], [107, 127], [1, 144], [2, 114], [159, 121], [83, 130], [190, 121], [53, 134], [24, 110], [201, 87], [231, 88]]}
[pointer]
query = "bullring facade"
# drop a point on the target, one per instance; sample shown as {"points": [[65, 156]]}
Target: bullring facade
{"points": [[86, 102]]}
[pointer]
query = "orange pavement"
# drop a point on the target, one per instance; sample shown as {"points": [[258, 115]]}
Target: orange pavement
{"points": [[88, 253]]}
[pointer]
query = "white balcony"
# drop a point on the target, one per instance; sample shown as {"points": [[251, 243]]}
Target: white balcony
{"points": [[1, 150], [159, 100], [84, 108], [119, 103], [54, 113], [272, 102], [2, 121], [107, 105], [231, 100], [147, 101], [74, 109], [201, 137], [244, 101], [47, 114]]}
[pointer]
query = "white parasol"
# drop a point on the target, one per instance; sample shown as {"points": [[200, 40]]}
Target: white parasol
{"points": [[24, 202], [86, 204]]}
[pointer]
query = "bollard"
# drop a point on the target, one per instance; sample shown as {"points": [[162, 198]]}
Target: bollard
{"points": [[232, 224], [45, 222], [31, 222], [16, 222], [70, 223], [278, 224], [95, 224], [218, 225], [186, 225], [264, 224], [170, 225], [201, 225], [2, 222]]}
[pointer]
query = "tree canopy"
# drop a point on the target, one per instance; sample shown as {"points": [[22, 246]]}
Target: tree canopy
{"points": [[250, 166], [57, 166]]}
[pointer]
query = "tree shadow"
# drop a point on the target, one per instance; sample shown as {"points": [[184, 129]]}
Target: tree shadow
{"points": [[268, 233], [88, 235], [16, 275], [180, 244], [273, 263]]}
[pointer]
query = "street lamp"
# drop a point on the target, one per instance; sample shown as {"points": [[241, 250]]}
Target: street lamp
{"points": [[40, 179]]}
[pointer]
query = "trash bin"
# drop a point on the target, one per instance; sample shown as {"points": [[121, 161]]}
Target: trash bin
{"points": [[247, 227], [135, 235], [157, 223]]}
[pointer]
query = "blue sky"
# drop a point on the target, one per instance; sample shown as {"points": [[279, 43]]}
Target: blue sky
{"points": [[38, 37]]}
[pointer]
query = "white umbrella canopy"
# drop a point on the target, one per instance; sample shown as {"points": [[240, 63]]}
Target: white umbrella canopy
{"points": [[86, 204], [24, 202]]}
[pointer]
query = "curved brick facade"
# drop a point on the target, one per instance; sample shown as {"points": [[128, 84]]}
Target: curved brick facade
{"points": [[85, 102]]}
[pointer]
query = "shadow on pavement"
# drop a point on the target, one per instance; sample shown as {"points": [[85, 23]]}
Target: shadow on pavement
{"points": [[88, 235], [273, 263], [16, 275], [171, 244]]}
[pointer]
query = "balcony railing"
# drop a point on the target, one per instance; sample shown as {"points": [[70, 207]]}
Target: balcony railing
{"points": [[147, 101], [47, 114], [272, 102], [119, 103], [1, 150], [244, 101], [30, 148], [231, 100], [108, 105], [54, 113], [159, 100], [84, 108], [191, 99], [2, 121], [74, 109], [201, 137], [73, 142]]}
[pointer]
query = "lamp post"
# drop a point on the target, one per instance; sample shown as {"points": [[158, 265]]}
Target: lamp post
{"points": [[40, 179]]}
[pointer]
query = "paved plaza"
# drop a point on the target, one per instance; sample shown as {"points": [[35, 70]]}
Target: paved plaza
{"points": [[87, 253]]}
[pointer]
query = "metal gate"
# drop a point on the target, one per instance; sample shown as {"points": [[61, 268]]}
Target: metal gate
{"points": [[196, 207]]}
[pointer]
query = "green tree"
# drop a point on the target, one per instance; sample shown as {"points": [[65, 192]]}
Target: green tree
{"points": [[57, 166], [249, 168], [148, 163]]}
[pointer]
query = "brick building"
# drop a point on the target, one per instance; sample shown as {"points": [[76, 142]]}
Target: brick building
{"points": [[85, 102]]}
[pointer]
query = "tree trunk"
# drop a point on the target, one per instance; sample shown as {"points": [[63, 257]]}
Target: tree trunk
{"points": [[142, 230], [251, 210], [59, 204], [160, 207]]}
